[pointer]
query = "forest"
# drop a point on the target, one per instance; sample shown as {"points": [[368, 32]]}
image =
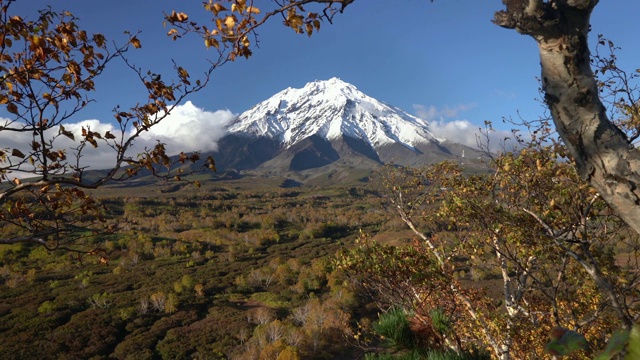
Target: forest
{"points": [[214, 272], [236, 270]]}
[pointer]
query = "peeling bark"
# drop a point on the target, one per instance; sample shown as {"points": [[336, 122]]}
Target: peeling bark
{"points": [[603, 155]]}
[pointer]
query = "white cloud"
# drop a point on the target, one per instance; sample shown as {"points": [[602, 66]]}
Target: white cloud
{"points": [[432, 112], [187, 128], [443, 124]]}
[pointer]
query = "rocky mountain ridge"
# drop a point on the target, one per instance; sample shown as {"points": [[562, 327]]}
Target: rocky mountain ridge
{"points": [[332, 123]]}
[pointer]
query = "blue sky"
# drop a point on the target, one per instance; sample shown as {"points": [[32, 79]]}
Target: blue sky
{"points": [[444, 61]]}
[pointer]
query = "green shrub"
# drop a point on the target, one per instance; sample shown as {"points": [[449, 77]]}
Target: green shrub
{"points": [[394, 327], [47, 307]]}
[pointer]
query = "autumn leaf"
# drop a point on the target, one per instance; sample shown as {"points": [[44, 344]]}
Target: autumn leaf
{"points": [[12, 108], [135, 42], [17, 153], [237, 7], [253, 10], [212, 163], [183, 73], [182, 17], [66, 133], [177, 17], [216, 8], [173, 33], [230, 21], [211, 42]]}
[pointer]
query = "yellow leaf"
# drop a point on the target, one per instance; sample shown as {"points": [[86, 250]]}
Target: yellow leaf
{"points": [[253, 10], [238, 7], [36, 40], [212, 163], [229, 22], [216, 8]]}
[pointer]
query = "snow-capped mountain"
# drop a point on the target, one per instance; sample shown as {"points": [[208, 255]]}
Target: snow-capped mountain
{"points": [[331, 109], [329, 123]]}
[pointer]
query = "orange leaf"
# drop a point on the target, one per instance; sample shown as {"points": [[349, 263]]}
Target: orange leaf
{"points": [[135, 42], [182, 17]]}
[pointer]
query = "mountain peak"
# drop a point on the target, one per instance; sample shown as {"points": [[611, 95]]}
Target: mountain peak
{"points": [[331, 109], [333, 83], [334, 88]]}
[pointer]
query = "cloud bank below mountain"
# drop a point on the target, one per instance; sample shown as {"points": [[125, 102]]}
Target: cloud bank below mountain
{"points": [[188, 128], [445, 123]]}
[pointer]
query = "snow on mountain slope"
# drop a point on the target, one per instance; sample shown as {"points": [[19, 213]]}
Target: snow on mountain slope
{"points": [[331, 109]]}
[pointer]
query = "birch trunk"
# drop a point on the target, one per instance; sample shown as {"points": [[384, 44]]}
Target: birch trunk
{"points": [[603, 155]]}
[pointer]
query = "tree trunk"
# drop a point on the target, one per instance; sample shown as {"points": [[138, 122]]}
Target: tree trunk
{"points": [[603, 155]]}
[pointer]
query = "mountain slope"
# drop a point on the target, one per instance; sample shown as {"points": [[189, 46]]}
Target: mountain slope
{"points": [[331, 109], [329, 122]]}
